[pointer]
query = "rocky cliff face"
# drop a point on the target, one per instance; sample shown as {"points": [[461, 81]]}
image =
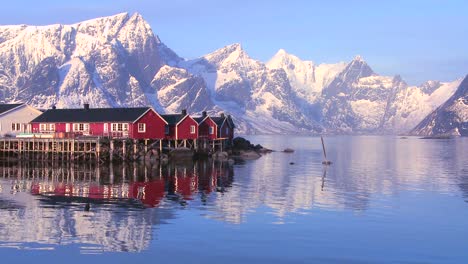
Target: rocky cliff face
{"points": [[109, 61], [118, 61], [451, 118]]}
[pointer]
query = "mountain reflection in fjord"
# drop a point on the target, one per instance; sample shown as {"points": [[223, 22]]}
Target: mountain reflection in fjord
{"points": [[374, 183]]}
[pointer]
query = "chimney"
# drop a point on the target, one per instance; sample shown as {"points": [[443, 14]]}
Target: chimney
{"points": [[204, 114], [86, 106], [54, 107], [222, 115], [184, 112]]}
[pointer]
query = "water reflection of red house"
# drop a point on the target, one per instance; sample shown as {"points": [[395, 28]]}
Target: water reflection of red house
{"points": [[149, 193], [186, 182], [97, 191]]}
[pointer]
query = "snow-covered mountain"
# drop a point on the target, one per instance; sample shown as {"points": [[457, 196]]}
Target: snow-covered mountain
{"points": [[119, 61], [306, 79], [451, 118], [106, 61], [260, 98]]}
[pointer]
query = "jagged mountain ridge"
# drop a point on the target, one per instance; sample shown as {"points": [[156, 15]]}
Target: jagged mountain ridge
{"points": [[451, 118], [106, 61], [118, 61]]}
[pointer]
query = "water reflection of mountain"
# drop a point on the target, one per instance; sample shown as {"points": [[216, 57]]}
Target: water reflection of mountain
{"points": [[365, 169], [45, 204]]}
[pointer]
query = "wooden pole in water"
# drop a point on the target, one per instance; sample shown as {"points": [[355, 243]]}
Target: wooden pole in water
{"points": [[326, 162], [323, 147]]}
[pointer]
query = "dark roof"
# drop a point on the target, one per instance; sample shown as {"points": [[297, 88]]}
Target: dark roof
{"points": [[91, 115], [199, 119], [173, 119], [218, 120], [7, 107]]}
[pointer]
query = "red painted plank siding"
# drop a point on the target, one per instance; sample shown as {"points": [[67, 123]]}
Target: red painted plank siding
{"points": [[204, 129], [155, 126], [183, 129]]}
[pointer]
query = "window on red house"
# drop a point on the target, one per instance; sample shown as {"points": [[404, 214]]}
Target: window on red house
{"points": [[141, 127], [119, 127], [192, 129]]}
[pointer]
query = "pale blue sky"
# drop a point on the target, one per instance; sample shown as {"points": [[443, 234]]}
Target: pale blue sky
{"points": [[419, 40]]}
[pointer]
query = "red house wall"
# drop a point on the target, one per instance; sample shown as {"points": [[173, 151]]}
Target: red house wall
{"points": [[155, 126], [183, 129], [96, 129], [204, 129]]}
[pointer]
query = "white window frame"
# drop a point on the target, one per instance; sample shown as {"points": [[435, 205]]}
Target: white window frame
{"points": [[211, 130], [119, 127], [47, 127], [80, 127], [192, 129], [141, 127]]}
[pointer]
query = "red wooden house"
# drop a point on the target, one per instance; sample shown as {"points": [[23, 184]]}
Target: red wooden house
{"points": [[180, 126], [207, 128], [135, 123]]}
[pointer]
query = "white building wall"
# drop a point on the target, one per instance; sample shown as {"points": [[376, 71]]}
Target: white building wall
{"points": [[22, 115]]}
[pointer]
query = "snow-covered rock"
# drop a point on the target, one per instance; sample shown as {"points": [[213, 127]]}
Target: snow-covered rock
{"points": [[306, 79], [451, 118], [107, 61], [177, 89], [258, 96]]}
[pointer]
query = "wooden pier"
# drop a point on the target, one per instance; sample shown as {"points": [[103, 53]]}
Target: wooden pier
{"points": [[98, 149], [50, 148]]}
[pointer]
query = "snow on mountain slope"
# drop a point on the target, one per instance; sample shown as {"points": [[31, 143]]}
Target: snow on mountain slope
{"points": [[451, 118], [345, 100], [247, 86], [177, 89], [306, 78], [414, 103], [114, 57], [118, 61]]}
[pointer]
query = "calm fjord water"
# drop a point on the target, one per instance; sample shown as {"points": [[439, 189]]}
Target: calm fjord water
{"points": [[383, 200]]}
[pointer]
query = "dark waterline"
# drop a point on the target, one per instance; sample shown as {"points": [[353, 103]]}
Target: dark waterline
{"points": [[383, 200]]}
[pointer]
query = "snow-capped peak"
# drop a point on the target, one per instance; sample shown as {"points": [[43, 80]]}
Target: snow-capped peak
{"points": [[283, 58], [232, 56], [118, 17], [358, 58], [356, 69]]}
